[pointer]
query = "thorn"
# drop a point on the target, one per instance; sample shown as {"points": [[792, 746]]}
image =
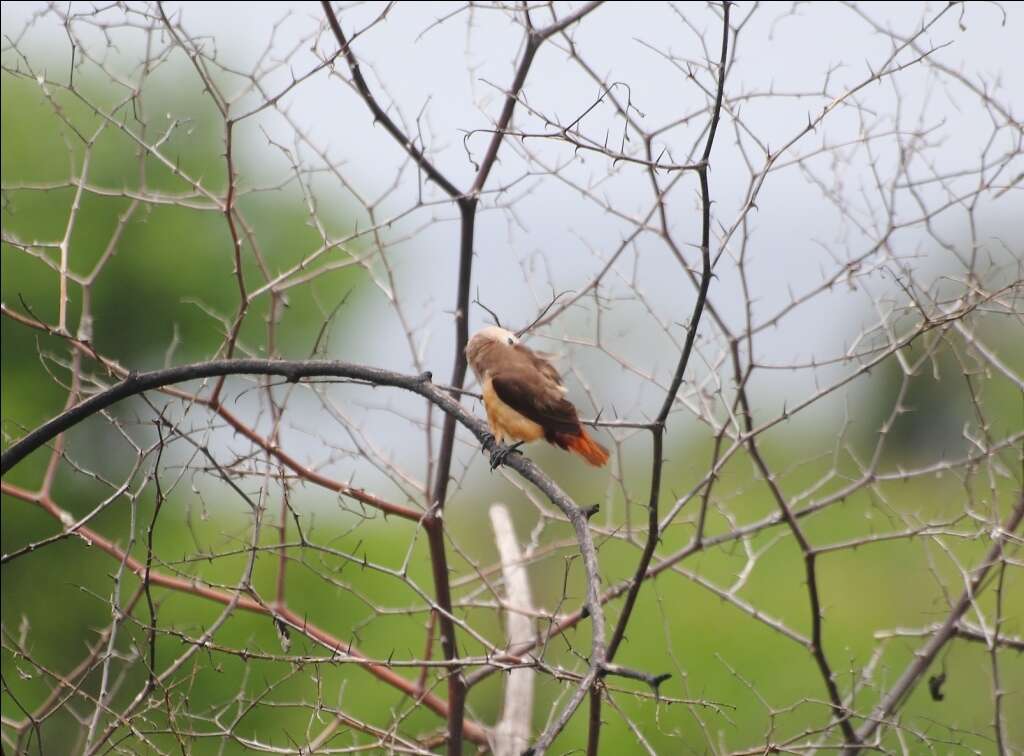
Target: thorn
{"points": [[658, 680]]}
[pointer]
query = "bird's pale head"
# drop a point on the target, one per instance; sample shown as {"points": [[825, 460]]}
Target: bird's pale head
{"points": [[495, 334], [487, 341]]}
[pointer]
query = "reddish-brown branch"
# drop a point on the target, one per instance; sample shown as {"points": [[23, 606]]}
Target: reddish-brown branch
{"points": [[307, 473], [473, 731], [240, 427]]}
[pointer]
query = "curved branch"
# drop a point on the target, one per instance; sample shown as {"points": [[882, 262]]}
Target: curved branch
{"points": [[138, 383], [296, 370]]}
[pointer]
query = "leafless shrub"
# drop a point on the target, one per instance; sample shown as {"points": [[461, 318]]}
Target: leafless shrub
{"points": [[757, 256]]}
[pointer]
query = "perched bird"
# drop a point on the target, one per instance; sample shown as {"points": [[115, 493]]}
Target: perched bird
{"points": [[524, 397]]}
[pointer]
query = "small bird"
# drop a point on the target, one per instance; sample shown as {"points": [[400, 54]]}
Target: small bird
{"points": [[524, 398]]}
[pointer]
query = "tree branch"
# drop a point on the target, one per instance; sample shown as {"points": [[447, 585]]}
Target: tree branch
{"points": [[658, 427], [297, 370], [379, 114], [924, 657], [298, 622]]}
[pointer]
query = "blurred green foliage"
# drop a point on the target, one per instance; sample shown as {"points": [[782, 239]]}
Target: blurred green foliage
{"points": [[169, 276]]}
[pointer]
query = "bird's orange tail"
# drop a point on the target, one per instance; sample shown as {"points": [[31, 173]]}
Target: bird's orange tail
{"points": [[586, 447]]}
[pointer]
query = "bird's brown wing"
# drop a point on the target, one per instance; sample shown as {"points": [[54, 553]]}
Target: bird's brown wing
{"points": [[540, 362], [535, 396]]}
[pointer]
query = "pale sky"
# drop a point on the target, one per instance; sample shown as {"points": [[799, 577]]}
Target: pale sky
{"points": [[451, 76]]}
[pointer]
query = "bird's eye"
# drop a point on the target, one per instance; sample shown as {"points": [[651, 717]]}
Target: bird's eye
{"points": [[511, 341]]}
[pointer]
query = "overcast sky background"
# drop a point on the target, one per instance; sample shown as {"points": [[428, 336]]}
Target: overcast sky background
{"points": [[453, 72]]}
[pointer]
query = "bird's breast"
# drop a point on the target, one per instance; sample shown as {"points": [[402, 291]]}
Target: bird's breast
{"points": [[505, 422]]}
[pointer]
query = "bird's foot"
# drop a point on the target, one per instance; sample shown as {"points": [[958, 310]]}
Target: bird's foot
{"points": [[501, 452], [489, 443]]}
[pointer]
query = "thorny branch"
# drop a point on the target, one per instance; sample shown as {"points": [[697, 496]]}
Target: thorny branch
{"points": [[467, 204], [838, 418], [658, 427]]}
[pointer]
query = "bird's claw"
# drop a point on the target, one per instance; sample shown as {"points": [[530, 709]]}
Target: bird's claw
{"points": [[489, 442], [501, 452]]}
